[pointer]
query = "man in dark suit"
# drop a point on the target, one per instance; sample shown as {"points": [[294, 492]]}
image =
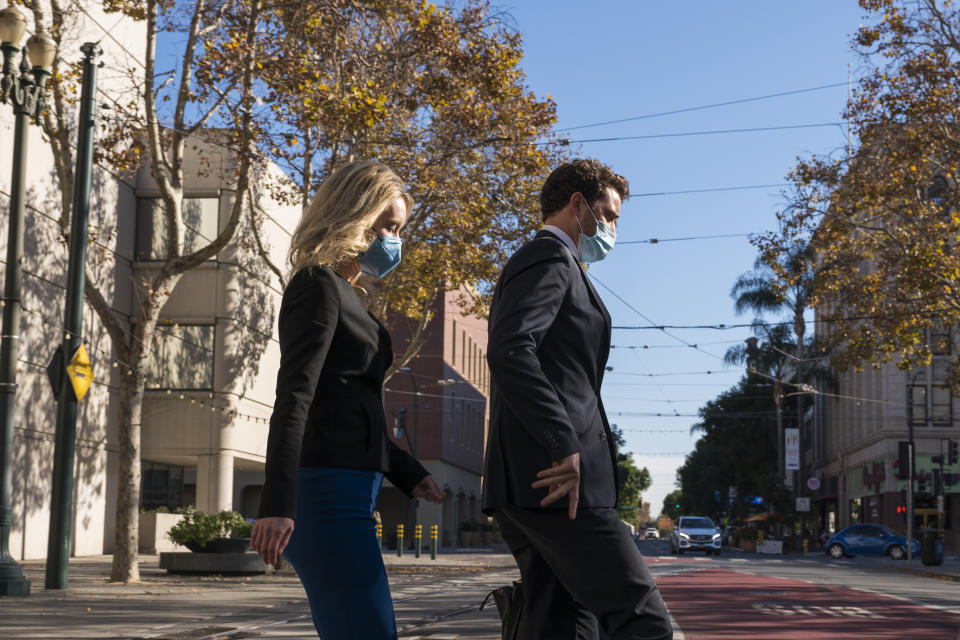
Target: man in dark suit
{"points": [[550, 479]]}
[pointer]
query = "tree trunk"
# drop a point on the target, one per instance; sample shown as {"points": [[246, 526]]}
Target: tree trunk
{"points": [[132, 384], [125, 567]]}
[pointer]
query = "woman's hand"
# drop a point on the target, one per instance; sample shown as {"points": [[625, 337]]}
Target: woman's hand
{"points": [[428, 490], [270, 537]]}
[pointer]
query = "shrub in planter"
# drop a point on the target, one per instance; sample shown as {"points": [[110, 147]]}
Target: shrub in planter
{"points": [[469, 534], [210, 532]]}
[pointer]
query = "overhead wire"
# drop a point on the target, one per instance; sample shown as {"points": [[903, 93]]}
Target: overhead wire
{"points": [[659, 240], [707, 106], [686, 134], [708, 190]]}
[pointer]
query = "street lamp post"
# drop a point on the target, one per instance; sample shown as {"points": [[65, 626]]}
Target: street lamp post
{"points": [[414, 503], [23, 89], [912, 466]]}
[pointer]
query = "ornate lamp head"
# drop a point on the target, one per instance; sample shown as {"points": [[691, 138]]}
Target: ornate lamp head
{"points": [[42, 50], [13, 24]]}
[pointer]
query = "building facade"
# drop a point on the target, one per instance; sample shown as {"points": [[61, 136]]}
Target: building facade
{"points": [[443, 393], [850, 445]]}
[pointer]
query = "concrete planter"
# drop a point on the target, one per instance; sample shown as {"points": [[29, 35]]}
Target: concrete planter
{"points": [[773, 547], [187, 562], [468, 538], [153, 532]]}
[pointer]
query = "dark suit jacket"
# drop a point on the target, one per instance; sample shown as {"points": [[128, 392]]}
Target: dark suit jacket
{"points": [[549, 337], [329, 409]]}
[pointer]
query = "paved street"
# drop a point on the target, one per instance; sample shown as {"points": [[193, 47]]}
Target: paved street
{"points": [[735, 595], [740, 595]]}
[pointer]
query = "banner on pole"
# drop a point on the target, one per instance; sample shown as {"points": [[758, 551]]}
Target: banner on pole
{"points": [[791, 445]]}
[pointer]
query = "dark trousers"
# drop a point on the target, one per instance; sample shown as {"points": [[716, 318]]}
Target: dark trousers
{"points": [[582, 577], [335, 552]]}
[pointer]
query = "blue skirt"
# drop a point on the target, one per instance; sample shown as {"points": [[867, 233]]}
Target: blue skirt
{"points": [[335, 552]]}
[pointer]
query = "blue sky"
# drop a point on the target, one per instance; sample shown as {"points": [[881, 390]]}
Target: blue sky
{"points": [[607, 60]]}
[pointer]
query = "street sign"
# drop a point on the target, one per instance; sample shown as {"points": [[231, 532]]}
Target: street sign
{"points": [[80, 372], [813, 483], [55, 371], [803, 504], [791, 440]]}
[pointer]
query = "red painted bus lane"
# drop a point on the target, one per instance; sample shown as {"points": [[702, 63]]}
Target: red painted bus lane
{"points": [[713, 604]]}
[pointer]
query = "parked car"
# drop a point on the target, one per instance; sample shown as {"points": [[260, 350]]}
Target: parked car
{"points": [[695, 533], [651, 533], [868, 539]]}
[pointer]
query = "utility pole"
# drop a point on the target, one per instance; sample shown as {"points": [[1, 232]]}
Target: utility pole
{"points": [[61, 507], [23, 88], [414, 450], [910, 500]]}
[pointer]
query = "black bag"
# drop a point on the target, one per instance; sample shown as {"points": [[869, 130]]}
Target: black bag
{"points": [[509, 601]]}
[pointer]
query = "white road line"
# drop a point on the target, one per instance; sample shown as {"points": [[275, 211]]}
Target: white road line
{"points": [[677, 632]]}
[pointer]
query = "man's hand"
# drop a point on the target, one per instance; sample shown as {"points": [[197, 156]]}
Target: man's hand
{"points": [[428, 490], [562, 479], [270, 537]]}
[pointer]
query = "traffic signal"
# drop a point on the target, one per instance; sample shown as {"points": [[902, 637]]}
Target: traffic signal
{"points": [[903, 461], [901, 510], [922, 483], [952, 451]]}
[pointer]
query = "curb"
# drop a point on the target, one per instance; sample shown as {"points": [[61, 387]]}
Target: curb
{"points": [[950, 577]]}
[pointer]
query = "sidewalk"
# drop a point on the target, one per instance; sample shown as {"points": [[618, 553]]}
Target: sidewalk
{"points": [[949, 570], [173, 607]]}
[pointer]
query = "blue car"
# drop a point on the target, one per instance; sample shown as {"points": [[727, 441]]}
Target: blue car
{"points": [[869, 539]]}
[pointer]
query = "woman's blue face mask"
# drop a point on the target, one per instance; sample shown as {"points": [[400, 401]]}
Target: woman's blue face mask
{"points": [[598, 246], [381, 257]]}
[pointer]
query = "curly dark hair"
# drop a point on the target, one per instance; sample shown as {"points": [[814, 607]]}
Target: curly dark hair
{"points": [[586, 176]]}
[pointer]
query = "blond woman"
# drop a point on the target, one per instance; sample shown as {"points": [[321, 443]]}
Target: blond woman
{"points": [[328, 450]]}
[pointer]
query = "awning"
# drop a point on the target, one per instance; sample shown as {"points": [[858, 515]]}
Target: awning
{"points": [[762, 517]]}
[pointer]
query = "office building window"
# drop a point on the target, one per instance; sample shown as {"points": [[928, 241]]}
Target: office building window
{"points": [[941, 410], [940, 344], [182, 358], [161, 485], [200, 219], [930, 404]]}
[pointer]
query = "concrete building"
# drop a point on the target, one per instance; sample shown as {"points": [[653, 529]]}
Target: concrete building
{"points": [[850, 445], [44, 266]]}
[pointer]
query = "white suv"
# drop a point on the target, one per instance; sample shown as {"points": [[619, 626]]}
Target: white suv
{"points": [[695, 533]]}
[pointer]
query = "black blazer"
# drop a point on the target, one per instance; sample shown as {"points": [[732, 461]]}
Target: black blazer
{"points": [[329, 409], [549, 337]]}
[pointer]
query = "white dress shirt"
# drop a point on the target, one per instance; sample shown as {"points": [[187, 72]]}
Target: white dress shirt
{"points": [[567, 240]]}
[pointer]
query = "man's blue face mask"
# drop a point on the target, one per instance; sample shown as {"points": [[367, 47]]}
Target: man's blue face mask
{"points": [[596, 247]]}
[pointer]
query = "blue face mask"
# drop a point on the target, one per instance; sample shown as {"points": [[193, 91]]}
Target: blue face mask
{"points": [[381, 257], [596, 247]]}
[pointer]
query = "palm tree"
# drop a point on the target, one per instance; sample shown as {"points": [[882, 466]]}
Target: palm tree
{"points": [[782, 288], [786, 288], [765, 360]]}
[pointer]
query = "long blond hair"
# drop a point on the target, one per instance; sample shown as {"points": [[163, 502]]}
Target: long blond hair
{"points": [[336, 226]]}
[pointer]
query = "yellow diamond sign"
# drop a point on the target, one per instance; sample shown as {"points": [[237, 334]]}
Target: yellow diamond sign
{"points": [[80, 372]]}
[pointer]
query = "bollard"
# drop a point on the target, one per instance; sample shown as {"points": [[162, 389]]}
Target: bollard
{"points": [[418, 538], [399, 540], [434, 541], [380, 536]]}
